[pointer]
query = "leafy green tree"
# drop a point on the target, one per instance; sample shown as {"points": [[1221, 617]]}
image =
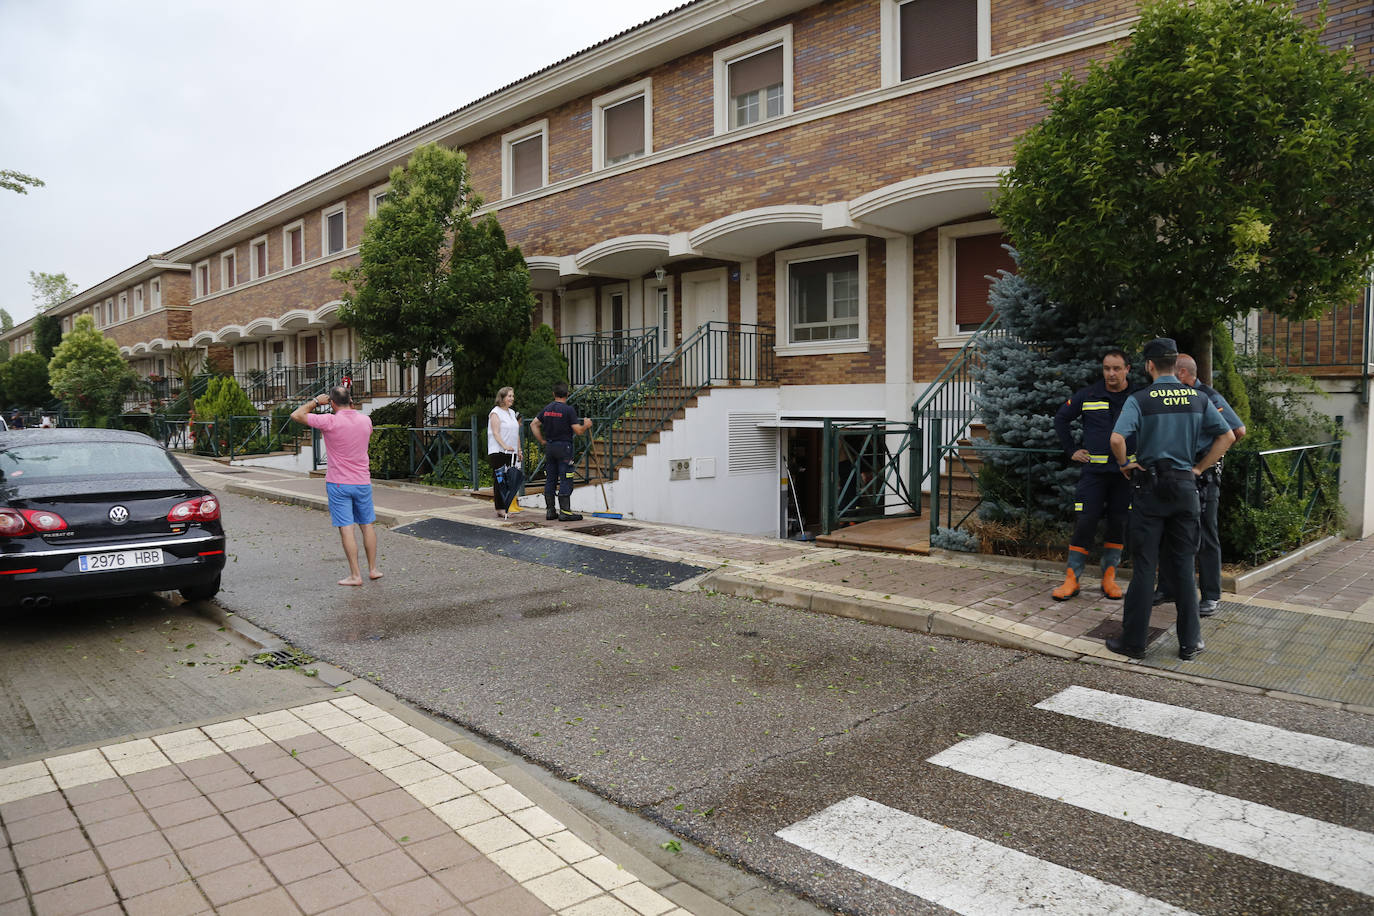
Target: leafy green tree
{"points": [[430, 282], [14, 181], [24, 377], [50, 289], [6, 324], [1223, 162], [47, 334], [544, 365], [223, 399], [88, 375]]}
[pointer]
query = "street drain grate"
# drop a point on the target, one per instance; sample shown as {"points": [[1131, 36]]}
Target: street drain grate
{"points": [[603, 530], [282, 658]]}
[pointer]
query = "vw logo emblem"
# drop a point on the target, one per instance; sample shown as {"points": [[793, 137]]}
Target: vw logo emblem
{"points": [[119, 515]]}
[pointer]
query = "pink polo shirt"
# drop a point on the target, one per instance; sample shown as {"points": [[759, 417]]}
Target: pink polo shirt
{"points": [[346, 435]]}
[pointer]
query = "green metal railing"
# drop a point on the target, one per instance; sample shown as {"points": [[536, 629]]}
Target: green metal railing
{"points": [[229, 437], [1308, 474], [615, 358], [944, 497], [943, 413], [863, 476]]}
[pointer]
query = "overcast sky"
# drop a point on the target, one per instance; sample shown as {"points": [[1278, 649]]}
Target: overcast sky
{"points": [[152, 122]]}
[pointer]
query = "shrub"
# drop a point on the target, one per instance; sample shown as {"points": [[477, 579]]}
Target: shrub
{"points": [[389, 452], [397, 413], [954, 539]]}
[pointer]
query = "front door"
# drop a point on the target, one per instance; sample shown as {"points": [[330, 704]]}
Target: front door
{"points": [[703, 301]]}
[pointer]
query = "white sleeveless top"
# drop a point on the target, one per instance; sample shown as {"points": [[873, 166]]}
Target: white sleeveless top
{"points": [[509, 428]]}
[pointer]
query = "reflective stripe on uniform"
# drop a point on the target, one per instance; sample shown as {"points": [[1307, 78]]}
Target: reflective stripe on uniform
{"points": [[1097, 405], [1078, 507], [1098, 459]]}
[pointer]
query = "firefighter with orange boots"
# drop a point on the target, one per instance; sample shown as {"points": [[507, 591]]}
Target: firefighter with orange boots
{"points": [[1101, 489]]}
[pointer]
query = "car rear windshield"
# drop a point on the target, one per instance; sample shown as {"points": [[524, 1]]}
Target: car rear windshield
{"points": [[56, 461]]}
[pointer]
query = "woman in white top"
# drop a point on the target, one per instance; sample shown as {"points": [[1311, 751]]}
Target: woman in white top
{"points": [[503, 439]]}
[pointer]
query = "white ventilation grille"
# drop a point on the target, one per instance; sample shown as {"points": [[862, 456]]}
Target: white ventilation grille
{"points": [[753, 449]]}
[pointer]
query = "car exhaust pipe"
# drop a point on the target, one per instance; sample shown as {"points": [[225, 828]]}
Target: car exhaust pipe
{"points": [[26, 602], [42, 601]]}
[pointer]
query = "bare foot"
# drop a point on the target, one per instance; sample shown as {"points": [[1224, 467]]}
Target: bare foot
{"points": [[373, 574], [352, 580]]}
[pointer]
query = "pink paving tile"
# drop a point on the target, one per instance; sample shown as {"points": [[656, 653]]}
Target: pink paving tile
{"points": [[133, 880], [278, 837], [66, 870], [52, 846], [438, 853], [94, 791], [72, 899], [316, 799], [417, 825], [262, 753], [365, 786], [276, 767], [386, 870], [324, 891], [12, 888], [154, 777], [363, 906], [33, 806], [105, 808], [222, 780], [41, 825], [7, 860], [389, 804], [307, 742], [202, 860], [182, 812], [168, 793], [206, 765], [291, 783], [119, 853], [198, 832], [178, 900], [236, 882], [356, 845], [339, 770], [323, 755], [335, 820], [273, 903], [513, 901], [300, 863], [476, 878], [416, 898], [239, 797], [251, 818]]}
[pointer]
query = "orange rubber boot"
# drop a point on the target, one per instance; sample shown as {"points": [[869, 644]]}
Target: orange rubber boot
{"points": [[1109, 587], [1068, 589]]}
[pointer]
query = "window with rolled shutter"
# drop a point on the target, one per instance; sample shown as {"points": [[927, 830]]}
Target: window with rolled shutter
{"points": [[937, 35], [624, 130], [977, 257], [527, 165], [756, 87]]}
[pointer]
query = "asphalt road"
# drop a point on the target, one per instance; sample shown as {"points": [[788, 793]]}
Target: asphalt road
{"points": [[729, 721]]}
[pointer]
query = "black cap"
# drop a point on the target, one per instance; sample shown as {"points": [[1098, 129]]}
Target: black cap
{"points": [[1161, 346]]}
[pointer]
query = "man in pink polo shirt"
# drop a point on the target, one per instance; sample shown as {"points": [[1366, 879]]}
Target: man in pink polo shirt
{"points": [[347, 432]]}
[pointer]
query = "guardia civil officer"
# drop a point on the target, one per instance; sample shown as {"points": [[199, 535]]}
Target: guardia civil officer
{"points": [[1168, 420], [1101, 488], [1209, 492]]}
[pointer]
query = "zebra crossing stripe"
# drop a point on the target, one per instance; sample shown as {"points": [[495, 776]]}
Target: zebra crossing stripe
{"points": [[958, 871], [1312, 753], [1328, 852]]}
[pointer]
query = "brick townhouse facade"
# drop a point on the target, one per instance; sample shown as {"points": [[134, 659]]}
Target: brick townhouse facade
{"points": [[822, 171]]}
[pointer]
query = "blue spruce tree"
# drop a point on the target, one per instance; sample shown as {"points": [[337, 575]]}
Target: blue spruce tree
{"points": [[1046, 353]]}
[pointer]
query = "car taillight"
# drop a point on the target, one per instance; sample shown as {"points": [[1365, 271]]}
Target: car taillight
{"points": [[12, 524], [200, 509], [19, 522]]}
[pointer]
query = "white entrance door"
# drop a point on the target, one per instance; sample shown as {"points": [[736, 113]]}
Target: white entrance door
{"points": [[338, 345], [704, 300], [658, 312], [579, 321]]}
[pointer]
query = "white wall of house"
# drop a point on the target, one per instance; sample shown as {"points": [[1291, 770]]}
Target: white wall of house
{"points": [[1357, 450]]}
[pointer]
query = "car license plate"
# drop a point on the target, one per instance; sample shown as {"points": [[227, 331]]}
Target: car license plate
{"points": [[124, 559]]}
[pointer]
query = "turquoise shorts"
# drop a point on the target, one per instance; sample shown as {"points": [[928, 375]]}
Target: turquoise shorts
{"points": [[350, 504]]}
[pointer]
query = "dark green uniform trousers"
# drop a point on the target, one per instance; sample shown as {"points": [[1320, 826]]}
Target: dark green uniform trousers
{"points": [[1163, 525]]}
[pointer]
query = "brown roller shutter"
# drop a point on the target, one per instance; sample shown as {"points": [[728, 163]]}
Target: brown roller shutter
{"points": [[977, 257], [937, 35], [758, 71], [625, 129], [527, 165]]}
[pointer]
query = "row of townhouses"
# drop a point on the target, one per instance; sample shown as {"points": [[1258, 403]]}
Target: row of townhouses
{"points": [[784, 202]]}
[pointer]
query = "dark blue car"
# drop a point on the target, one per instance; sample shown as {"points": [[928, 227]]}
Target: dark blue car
{"points": [[96, 513]]}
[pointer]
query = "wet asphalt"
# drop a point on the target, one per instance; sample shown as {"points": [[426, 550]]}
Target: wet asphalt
{"points": [[727, 720]]}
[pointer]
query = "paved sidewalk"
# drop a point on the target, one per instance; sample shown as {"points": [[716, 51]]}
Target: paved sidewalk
{"points": [[1306, 632], [334, 807]]}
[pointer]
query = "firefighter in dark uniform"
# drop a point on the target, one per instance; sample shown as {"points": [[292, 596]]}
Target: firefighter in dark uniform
{"points": [[1168, 419], [1209, 491], [1101, 488]]}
